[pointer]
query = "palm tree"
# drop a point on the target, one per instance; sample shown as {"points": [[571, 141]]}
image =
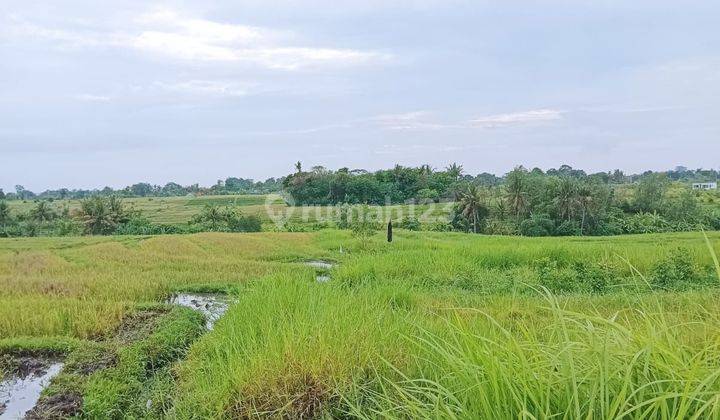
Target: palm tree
{"points": [[566, 198], [96, 216], [4, 214], [426, 169], [42, 212], [454, 170], [585, 198], [473, 205], [211, 216], [517, 194]]}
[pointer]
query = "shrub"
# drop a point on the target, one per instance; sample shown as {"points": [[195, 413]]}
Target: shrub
{"points": [[428, 195], [568, 228], [410, 223], [537, 225], [554, 278], [500, 227], [365, 226], [226, 219], [595, 277], [676, 270], [645, 223], [440, 226]]}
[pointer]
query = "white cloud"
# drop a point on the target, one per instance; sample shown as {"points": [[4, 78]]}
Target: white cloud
{"points": [[168, 34], [207, 88], [92, 98], [500, 120], [416, 120]]}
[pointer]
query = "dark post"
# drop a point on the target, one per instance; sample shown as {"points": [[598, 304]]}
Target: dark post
{"points": [[390, 231]]}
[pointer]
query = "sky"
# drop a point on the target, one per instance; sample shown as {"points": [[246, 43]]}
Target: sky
{"points": [[118, 92]]}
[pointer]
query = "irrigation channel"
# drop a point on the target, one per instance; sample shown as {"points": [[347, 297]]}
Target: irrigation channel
{"points": [[28, 376], [21, 390], [322, 269]]}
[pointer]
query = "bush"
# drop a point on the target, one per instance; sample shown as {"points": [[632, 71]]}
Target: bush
{"points": [[500, 227], [645, 223], [568, 228], [676, 271], [428, 195], [554, 278], [142, 226], [440, 227], [595, 277], [537, 225], [225, 219], [410, 223]]}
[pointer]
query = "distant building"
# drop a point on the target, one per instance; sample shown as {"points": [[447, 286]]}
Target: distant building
{"points": [[704, 186]]}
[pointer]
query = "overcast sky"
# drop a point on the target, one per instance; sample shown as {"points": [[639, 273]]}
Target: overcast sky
{"points": [[96, 93]]}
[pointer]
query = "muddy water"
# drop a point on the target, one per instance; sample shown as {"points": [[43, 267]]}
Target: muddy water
{"points": [[322, 267], [213, 306], [20, 393]]}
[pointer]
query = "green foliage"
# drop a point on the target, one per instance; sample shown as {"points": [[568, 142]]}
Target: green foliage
{"points": [[101, 215], [42, 212], [428, 195], [410, 223], [645, 223], [537, 225], [365, 225], [5, 216], [225, 219], [472, 207], [568, 228], [676, 271], [650, 192]]}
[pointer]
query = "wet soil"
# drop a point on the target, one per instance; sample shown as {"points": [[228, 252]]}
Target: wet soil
{"points": [[26, 377], [212, 305]]}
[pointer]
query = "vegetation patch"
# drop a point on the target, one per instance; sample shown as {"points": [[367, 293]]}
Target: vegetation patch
{"points": [[106, 379]]}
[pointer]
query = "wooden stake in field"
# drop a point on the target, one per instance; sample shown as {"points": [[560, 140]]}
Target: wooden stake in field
{"points": [[389, 231]]}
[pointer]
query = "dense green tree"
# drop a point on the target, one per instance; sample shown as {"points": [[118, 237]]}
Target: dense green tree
{"points": [[102, 215], [4, 213], [473, 206], [650, 192], [454, 170], [566, 198], [517, 192], [42, 212]]}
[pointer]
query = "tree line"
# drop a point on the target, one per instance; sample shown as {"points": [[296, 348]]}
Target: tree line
{"points": [[229, 186], [100, 215], [562, 201]]}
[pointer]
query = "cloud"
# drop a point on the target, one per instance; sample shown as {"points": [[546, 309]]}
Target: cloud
{"points": [[212, 88], [416, 120], [501, 120], [168, 34], [92, 98]]}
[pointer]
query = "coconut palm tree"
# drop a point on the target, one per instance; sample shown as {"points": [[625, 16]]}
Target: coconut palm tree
{"points": [[454, 170], [4, 213], [42, 212], [96, 216], [473, 205], [517, 192], [585, 199], [566, 198]]}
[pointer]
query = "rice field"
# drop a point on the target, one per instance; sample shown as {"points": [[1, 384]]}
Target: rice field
{"points": [[270, 208], [432, 325]]}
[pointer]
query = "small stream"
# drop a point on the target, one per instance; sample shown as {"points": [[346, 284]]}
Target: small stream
{"points": [[322, 268], [212, 305], [20, 392]]}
